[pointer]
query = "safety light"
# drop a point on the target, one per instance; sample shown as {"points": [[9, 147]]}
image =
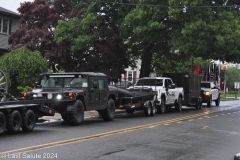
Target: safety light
{"points": [[50, 96], [70, 94], [25, 94], [207, 93], [59, 96]]}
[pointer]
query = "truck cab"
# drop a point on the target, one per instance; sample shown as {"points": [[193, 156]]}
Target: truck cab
{"points": [[72, 93], [210, 92], [168, 94]]}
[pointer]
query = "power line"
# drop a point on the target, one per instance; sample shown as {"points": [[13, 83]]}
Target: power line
{"points": [[162, 6]]}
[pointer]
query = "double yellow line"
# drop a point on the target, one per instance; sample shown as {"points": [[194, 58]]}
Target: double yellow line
{"points": [[91, 137]]}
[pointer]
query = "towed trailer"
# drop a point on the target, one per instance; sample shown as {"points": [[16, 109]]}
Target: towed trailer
{"points": [[137, 99], [16, 113], [191, 84]]}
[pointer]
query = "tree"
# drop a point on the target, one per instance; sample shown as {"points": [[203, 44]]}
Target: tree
{"points": [[233, 76], [147, 32], [38, 21], [22, 68], [207, 32], [94, 42]]}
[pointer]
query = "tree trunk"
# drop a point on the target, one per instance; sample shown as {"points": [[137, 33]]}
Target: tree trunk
{"points": [[146, 61]]}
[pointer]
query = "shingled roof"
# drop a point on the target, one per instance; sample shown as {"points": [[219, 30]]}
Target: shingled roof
{"points": [[8, 12]]}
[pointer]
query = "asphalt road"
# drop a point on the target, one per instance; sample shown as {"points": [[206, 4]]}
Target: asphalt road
{"points": [[206, 134]]}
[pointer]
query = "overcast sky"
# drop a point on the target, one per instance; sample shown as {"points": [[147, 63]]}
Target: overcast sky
{"points": [[12, 5]]}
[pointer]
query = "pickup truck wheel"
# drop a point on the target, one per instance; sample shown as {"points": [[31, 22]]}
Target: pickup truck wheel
{"points": [[3, 123], [76, 113], [14, 122], [148, 110], [217, 102], [28, 122], [153, 109], [209, 103], [162, 108], [109, 113], [178, 105]]}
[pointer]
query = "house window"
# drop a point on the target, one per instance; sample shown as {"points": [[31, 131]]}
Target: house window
{"points": [[130, 75], [4, 25]]}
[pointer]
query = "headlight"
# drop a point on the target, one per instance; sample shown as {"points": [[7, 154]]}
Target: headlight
{"points": [[207, 93], [50, 96], [59, 96], [39, 95]]}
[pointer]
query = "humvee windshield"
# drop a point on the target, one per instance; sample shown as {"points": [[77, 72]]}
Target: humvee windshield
{"points": [[60, 82]]}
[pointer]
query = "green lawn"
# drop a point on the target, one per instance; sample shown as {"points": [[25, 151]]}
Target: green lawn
{"points": [[228, 95]]}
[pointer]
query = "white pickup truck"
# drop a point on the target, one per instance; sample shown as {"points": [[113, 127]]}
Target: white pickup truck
{"points": [[168, 94], [210, 92]]}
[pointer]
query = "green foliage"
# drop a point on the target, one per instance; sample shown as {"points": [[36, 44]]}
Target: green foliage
{"points": [[22, 68], [145, 32], [24, 89], [233, 74], [210, 33], [79, 33]]}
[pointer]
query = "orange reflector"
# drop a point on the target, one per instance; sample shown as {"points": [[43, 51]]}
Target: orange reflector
{"points": [[24, 94], [70, 94]]}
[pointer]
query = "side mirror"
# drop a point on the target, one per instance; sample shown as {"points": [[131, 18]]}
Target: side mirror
{"points": [[172, 86], [37, 85]]}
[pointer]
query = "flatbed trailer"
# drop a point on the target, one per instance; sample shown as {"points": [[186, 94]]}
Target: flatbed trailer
{"points": [[137, 99], [17, 113], [21, 114]]}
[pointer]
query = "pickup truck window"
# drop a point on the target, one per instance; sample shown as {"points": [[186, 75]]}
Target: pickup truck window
{"points": [[168, 82], [205, 85], [150, 82]]}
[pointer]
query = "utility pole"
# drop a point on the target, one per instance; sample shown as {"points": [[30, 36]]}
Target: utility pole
{"points": [[225, 80]]}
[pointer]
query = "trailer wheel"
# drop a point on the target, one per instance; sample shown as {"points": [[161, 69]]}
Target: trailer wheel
{"points": [[209, 103], [14, 122], [109, 113], [3, 123], [148, 110], [178, 105], [217, 102], [162, 108], [75, 113], [28, 122], [153, 109], [199, 104]]}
